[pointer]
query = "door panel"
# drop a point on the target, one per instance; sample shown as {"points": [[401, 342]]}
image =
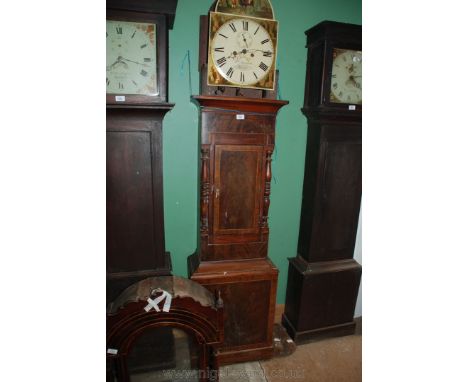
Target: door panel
{"points": [[237, 189], [130, 222], [339, 199]]}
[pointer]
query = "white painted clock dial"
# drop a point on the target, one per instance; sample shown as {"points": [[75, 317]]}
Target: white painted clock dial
{"points": [[242, 51], [131, 58], [346, 77]]}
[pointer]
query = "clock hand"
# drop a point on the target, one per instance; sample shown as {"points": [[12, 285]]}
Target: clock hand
{"points": [[135, 62], [354, 82], [258, 50], [118, 61], [245, 41]]}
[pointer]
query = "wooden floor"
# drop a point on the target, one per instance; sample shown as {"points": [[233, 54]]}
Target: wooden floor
{"points": [[330, 360]]}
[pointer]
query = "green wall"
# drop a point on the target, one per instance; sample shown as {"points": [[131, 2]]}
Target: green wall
{"points": [[181, 128]]}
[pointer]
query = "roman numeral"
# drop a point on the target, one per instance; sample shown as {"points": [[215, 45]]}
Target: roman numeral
{"points": [[143, 73], [263, 66], [242, 78], [256, 30], [134, 83], [245, 25], [119, 30], [133, 35], [233, 27], [230, 72], [255, 75], [267, 54], [107, 81], [143, 46], [121, 86], [221, 61], [147, 59], [265, 41], [333, 75], [335, 85], [223, 35]]}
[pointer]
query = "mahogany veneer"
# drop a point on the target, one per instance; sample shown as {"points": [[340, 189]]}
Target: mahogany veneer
{"points": [[237, 141]]}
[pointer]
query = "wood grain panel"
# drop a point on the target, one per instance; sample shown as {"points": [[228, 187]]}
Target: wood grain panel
{"points": [[129, 201], [237, 188]]}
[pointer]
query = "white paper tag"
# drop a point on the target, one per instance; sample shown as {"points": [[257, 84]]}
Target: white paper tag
{"points": [[289, 340], [351, 107], [154, 303], [240, 116], [112, 351], [120, 98]]}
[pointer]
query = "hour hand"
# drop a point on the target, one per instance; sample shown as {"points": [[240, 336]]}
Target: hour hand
{"points": [[118, 61]]}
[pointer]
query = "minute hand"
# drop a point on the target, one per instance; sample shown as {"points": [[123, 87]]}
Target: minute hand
{"points": [[259, 50], [135, 62]]}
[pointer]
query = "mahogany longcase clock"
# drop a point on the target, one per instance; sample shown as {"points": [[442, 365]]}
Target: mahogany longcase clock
{"points": [[237, 141], [323, 279], [136, 97]]}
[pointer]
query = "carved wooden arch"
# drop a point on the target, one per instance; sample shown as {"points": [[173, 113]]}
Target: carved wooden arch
{"points": [[122, 336], [193, 309]]}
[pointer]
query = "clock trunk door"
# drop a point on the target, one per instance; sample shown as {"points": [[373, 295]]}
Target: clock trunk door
{"points": [[237, 190]]}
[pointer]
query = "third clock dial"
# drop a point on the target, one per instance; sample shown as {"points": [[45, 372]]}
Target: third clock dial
{"points": [[346, 77]]}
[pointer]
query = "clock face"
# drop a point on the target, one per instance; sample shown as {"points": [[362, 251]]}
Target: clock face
{"points": [[243, 52], [131, 58], [346, 77]]}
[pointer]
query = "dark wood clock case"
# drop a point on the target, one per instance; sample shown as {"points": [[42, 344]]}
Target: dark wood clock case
{"points": [[237, 142], [324, 279], [134, 196]]}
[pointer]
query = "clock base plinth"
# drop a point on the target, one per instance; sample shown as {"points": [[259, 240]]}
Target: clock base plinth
{"points": [[248, 290], [301, 337], [227, 357], [321, 298]]}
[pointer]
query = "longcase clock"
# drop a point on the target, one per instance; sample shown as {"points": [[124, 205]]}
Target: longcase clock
{"points": [[238, 117], [136, 98], [323, 279]]}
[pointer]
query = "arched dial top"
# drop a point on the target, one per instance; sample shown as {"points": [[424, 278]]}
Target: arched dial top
{"points": [[346, 77], [243, 51]]}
